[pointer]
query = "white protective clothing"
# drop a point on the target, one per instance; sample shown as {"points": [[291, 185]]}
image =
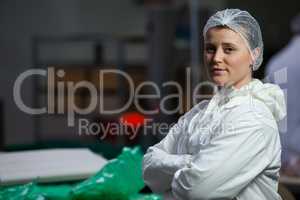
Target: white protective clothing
{"points": [[225, 148]]}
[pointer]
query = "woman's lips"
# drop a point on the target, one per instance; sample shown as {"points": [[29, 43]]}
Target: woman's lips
{"points": [[218, 71]]}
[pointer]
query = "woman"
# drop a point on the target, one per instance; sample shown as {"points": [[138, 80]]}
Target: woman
{"points": [[228, 147]]}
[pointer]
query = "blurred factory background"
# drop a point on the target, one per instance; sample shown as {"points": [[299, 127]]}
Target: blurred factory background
{"points": [[151, 40]]}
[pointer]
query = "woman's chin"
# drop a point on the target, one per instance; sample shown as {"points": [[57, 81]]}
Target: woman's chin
{"points": [[219, 81]]}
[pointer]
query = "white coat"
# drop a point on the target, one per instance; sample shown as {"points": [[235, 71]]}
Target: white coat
{"points": [[225, 148]]}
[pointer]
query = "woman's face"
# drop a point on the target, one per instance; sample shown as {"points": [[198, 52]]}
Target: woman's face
{"points": [[227, 57]]}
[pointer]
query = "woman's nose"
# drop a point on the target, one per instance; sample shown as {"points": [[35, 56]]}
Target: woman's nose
{"points": [[218, 56]]}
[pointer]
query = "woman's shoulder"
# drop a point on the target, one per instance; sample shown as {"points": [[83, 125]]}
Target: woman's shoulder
{"points": [[254, 111], [262, 100]]}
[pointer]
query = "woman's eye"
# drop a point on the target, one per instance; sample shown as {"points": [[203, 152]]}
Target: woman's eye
{"points": [[228, 50], [209, 50]]}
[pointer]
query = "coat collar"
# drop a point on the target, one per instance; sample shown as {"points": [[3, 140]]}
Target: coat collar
{"points": [[230, 96]]}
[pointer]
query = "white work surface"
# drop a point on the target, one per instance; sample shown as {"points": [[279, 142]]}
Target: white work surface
{"points": [[52, 165]]}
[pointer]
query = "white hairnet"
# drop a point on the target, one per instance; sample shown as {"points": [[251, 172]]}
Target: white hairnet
{"points": [[245, 25]]}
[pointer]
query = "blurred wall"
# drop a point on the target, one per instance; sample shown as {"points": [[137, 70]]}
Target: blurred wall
{"points": [[20, 20]]}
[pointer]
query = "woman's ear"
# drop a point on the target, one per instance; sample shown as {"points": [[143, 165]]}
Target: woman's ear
{"points": [[255, 54]]}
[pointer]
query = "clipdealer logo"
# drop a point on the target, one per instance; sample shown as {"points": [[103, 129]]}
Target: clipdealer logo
{"points": [[67, 89]]}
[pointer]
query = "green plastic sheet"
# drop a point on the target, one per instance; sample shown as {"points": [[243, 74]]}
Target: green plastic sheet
{"points": [[119, 179], [32, 191]]}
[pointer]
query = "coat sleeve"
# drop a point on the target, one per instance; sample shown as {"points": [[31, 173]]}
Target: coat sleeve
{"points": [[229, 162], [160, 161]]}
